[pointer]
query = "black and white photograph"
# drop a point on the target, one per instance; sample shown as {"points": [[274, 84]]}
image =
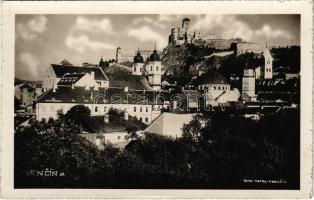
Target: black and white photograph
{"points": [[157, 101]]}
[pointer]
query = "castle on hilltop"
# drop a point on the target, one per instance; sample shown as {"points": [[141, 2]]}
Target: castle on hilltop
{"points": [[183, 35]]}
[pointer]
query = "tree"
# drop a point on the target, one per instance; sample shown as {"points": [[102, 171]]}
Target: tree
{"points": [[79, 114]]}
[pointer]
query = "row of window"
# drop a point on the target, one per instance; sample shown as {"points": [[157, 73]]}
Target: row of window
{"points": [[151, 68], [268, 70], [202, 87], [96, 109], [146, 119], [141, 109], [105, 109]]}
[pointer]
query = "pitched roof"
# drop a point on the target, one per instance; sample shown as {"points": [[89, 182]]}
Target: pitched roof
{"points": [[61, 70], [133, 82], [117, 68], [169, 124], [80, 95], [69, 79], [65, 62]]}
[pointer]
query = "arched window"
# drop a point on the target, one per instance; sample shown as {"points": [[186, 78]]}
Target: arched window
{"points": [[218, 87], [151, 68], [157, 68], [134, 68], [105, 109]]}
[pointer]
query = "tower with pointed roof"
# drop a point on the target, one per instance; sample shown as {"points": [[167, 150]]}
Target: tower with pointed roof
{"points": [[153, 70], [268, 67], [138, 64]]}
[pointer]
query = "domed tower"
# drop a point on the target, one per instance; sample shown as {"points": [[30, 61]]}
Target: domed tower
{"points": [[138, 64], [153, 70]]}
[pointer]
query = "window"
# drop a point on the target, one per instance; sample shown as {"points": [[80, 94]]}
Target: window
{"points": [[141, 119], [134, 109], [96, 109], [119, 137], [223, 88], [214, 87], [218, 87], [151, 68], [146, 109], [134, 68], [105, 109], [141, 109], [146, 119], [157, 68]]}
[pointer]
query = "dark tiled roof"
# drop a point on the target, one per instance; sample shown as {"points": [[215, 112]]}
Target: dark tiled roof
{"points": [[69, 79], [101, 96], [212, 77], [61, 70], [133, 82]]}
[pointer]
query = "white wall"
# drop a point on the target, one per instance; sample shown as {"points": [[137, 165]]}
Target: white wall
{"points": [[86, 81], [137, 68], [142, 112]]}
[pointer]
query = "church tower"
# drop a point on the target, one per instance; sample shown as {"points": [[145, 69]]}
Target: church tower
{"points": [[118, 55], [138, 64], [268, 68], [153, 70], [248, 84]]}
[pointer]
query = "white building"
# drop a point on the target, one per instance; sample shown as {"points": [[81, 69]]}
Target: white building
{"points": [[248, 84], [153, 71], [140, 104], [56, 72], [217, 90]]}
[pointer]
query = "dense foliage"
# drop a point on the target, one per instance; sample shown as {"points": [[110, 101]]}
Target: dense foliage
{"points": [[217, 151]]}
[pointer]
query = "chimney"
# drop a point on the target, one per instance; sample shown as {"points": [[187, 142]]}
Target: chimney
{"points": [[54, 87], [93, 74]]}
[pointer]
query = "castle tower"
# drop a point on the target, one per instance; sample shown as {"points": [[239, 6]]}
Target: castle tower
{"points": [[138, 64], [118, 55], [268, 68], [185, 28], [173, 37], [185, 25], [248, 84], [153, 70]]}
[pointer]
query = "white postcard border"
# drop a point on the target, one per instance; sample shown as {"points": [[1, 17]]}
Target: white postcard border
{"points": [[156, 7]]}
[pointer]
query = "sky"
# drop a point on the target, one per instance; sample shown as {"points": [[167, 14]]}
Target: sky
{"points": [[41, 40]]}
